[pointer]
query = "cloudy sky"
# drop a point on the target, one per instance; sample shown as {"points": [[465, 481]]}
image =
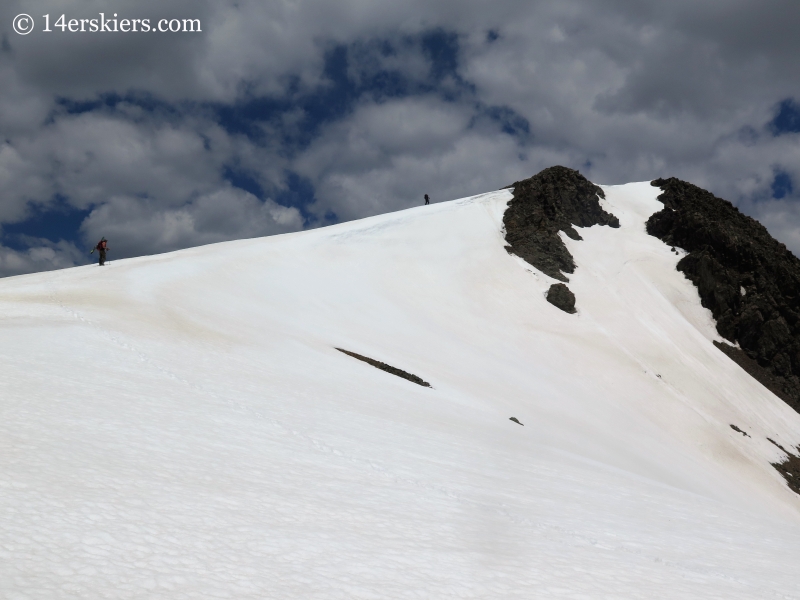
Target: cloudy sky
{"points": [[290, 114]]}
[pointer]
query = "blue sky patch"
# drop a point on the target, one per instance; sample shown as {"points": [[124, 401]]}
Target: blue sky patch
{"points": [[787, 118], [345, 82], [58, 222], [299, 193], [781, 185], [441, 49], [510, 122]]}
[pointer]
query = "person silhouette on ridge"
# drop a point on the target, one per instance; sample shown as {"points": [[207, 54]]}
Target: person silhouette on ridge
{"points": [[427, 200], [102, 248]]}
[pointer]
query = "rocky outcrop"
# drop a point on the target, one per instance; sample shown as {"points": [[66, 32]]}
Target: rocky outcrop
{"points": [[551, 201], [761, 374], [388, 368], [789, 467], [560, 296], [748, 280]]}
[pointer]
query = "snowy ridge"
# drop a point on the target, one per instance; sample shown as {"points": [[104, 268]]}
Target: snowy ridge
{"points": [[182, 426]]}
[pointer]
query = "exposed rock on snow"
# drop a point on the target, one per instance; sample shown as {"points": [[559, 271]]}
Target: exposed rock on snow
{"points": [[551, 201], [560, 296], [755, 370], [736, 429], [789, 468], [749, 280], [388, 368]]}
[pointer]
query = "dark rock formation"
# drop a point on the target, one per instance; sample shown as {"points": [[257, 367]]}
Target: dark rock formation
{"points": [[560, 296], [789, 468], [516, 420], [748, 280], [735, 428], [551, 201], [388, 368], [755, 370]]}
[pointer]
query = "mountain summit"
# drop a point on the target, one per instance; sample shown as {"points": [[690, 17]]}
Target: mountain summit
{"points": [[401, 406], [748, 280]]}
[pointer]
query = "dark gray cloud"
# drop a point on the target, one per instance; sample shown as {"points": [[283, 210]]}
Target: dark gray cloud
{"points": [[280, 116]]}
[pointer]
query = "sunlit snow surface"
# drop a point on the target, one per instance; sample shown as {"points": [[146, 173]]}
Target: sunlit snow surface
{"points": [[181, 426]]}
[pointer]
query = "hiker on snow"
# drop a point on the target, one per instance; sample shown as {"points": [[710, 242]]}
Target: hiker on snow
{"points": [[427, 200], [102, 248]]}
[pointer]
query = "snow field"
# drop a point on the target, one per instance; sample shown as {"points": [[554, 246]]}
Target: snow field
{"points": [[181, 426]]}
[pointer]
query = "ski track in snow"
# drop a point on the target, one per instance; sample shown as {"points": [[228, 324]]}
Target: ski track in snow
{"points": [[180, 426]]}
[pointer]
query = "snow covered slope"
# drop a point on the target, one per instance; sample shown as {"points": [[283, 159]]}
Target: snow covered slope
{"points": [[181, 425]]}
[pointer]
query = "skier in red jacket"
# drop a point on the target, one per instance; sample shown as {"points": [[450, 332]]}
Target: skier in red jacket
{"points": [[102, 248]]}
